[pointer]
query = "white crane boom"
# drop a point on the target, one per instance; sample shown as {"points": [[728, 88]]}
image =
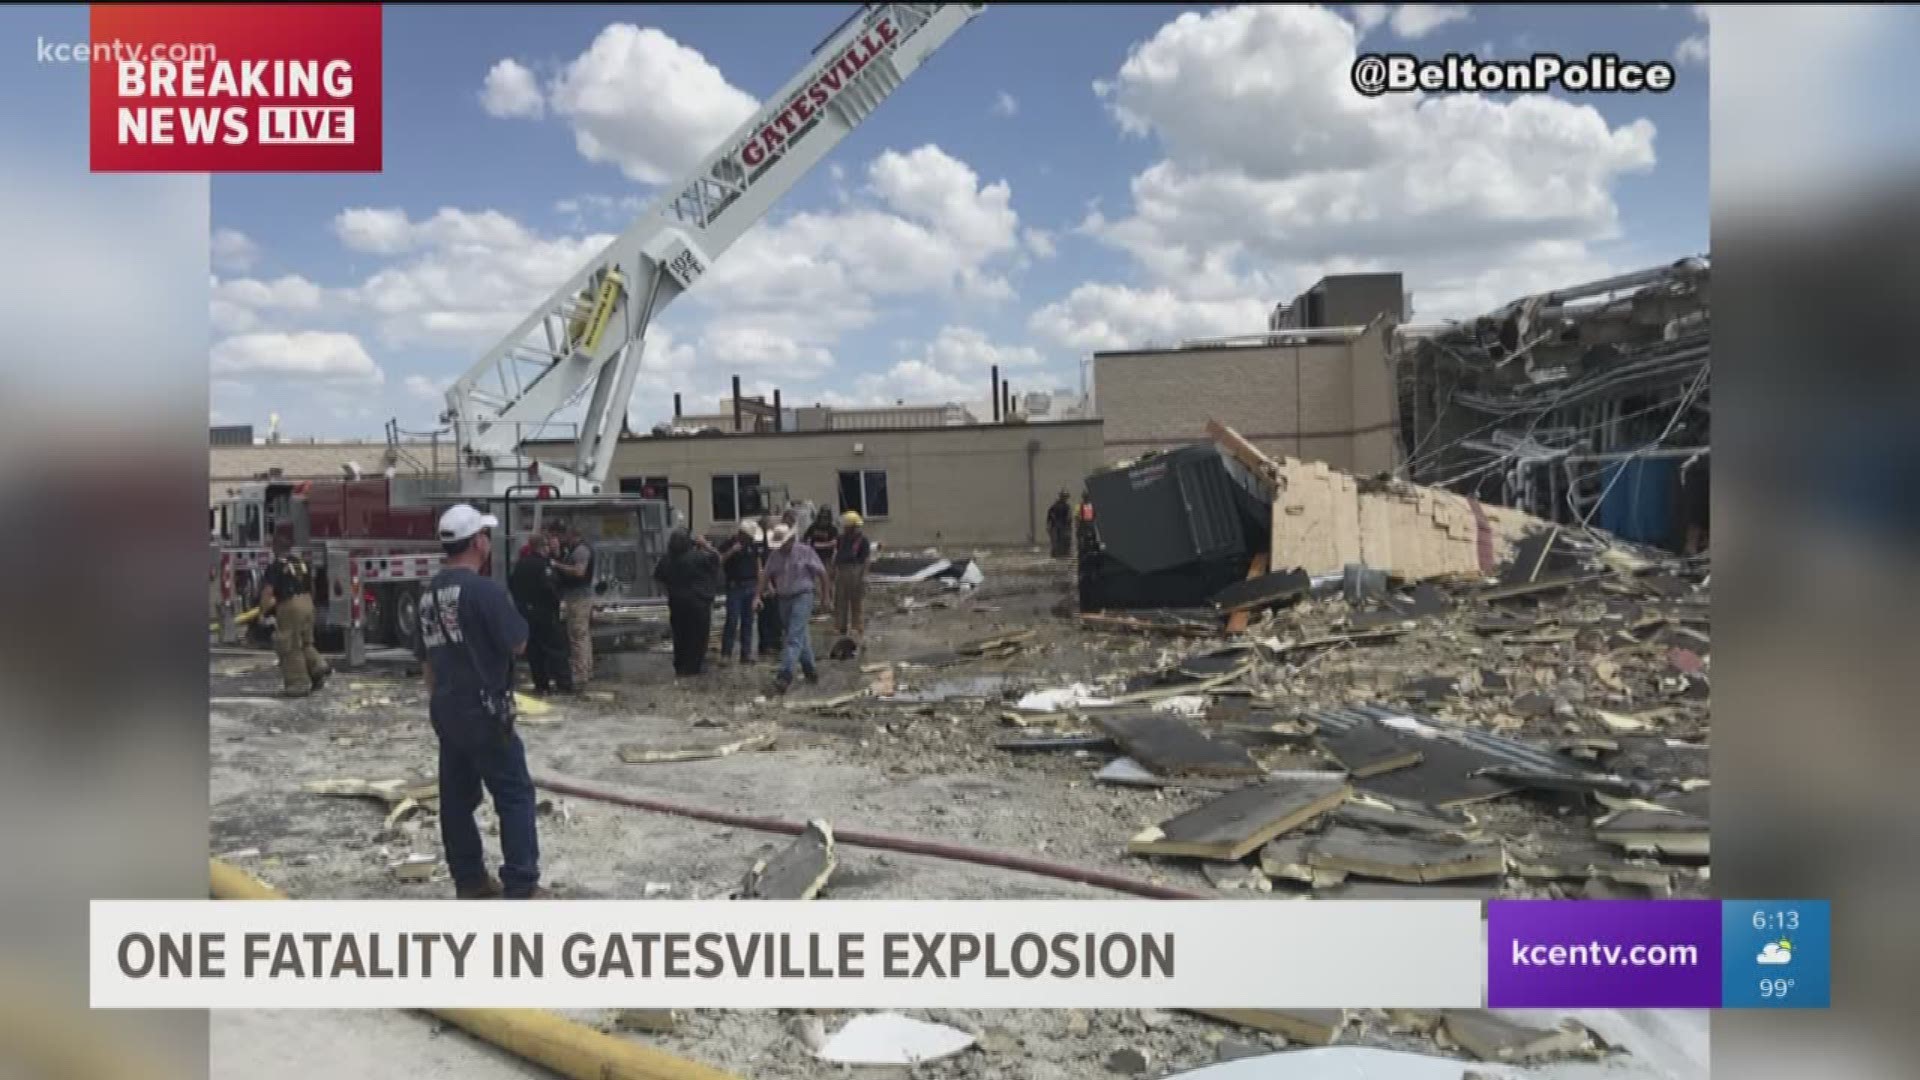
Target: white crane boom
{"points": [[590, 332]]}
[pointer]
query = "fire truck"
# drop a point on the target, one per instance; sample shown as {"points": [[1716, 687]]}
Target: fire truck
{"points": [[371, 541]]}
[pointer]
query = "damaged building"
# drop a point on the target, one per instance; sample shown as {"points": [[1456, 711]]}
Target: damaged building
{"points": [[1588, 406]]}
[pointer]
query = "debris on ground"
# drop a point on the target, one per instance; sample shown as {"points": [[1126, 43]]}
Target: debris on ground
{"points": [[1492, 1038], [1237, 823], [694, 749], [1309, 1027], [797, 873], [892, 1039], [1382, 734]]}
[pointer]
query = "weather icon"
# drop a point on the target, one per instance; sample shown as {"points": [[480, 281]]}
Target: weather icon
{"points": [[1776, 952]]}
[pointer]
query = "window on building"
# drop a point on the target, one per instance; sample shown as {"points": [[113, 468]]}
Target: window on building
{"points": [[736, 495], [864, 490], [647, 487]]}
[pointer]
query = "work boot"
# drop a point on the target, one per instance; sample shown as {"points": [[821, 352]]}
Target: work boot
{"points": [[781, 683], [321, 677], [297, 693], [812, 677], [486, 890], [538, 892]]}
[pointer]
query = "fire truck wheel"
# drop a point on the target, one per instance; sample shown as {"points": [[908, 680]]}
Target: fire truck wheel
{"points": [[406, 616]]}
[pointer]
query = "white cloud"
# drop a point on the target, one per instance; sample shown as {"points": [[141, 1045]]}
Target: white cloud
{"points": [[512, 91], [927, 226], [392, 232], [432, 390], [754, 348], [1691, 50], [310, 354], [1097, 316], [237, 305], [287, 293], [377, 232], [1040, 243], [639, 99], [233, 251], [953, 367], [1466, 195], [1369, 16], [1005, 104], [1407, 20], [1774, 953], [1419, 20], [467, 276]]}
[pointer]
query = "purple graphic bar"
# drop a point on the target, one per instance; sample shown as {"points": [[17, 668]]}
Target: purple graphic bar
{"points": [[1656, 954]]}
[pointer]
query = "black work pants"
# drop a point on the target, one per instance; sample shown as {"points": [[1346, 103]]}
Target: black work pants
{"points": [[692, 623], [547, 659]]}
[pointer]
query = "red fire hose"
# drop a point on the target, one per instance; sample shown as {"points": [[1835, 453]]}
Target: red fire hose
{"points": [[912, 845]]}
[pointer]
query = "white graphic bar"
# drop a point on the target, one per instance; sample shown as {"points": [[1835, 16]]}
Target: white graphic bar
{"points": [[190, 954]]}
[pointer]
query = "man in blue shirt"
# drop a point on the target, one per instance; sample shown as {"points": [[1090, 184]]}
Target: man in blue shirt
{"points": [[469, 635]]}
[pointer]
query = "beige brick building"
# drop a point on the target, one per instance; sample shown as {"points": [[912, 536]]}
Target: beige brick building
{"points": [[228, 466], [1317, 395], [974, 484]]}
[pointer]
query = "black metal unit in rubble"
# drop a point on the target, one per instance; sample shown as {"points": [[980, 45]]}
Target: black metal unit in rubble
{"points": [[1172, 530]]}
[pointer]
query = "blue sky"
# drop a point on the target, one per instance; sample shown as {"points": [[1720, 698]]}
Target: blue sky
{"points": [[1029, 196]]}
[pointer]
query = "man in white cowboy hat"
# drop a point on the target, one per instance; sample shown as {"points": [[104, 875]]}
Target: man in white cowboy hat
{"points": [[740, 566], [795, 573], [470, 633]]}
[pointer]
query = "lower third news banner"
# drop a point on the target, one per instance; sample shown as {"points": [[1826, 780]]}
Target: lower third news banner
{"points": [[171, 954]]}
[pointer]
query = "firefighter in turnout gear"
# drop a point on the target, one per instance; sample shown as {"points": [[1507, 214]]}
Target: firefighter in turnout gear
{"points": [[286, 595]]}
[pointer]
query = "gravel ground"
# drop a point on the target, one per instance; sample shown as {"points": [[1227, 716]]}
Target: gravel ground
{"points": [[929, 771]]}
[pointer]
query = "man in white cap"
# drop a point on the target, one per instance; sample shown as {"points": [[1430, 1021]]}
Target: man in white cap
{"points": [[469, 634]]}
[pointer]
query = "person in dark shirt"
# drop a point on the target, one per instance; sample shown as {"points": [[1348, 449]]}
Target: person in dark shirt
{"points": [[690, 573], [536, 594], [740, 561], [1060, 526], [821, 536], [469, 635]]}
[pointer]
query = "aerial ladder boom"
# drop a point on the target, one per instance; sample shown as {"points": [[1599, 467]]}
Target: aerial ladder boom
{"points": [[590, 333]]}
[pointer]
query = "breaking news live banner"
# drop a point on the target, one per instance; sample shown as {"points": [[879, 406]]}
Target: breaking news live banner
{"points": [[958, 954]]}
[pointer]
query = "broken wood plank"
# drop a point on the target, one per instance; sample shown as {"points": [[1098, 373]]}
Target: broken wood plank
{"points": [[1099, 620], [993, 644], [1406, 859], [1491, 1038], [1535, 588], [1369, 750], [1238, 617], [693, 749], [1266, 590], [1239, 822], [1655, 832], [1172, 747], [1529, 555], [1392, 816], [391, 792], [1385, 633], [1310, 1027], [830, 703], [797, 873], [1057, 742]]}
